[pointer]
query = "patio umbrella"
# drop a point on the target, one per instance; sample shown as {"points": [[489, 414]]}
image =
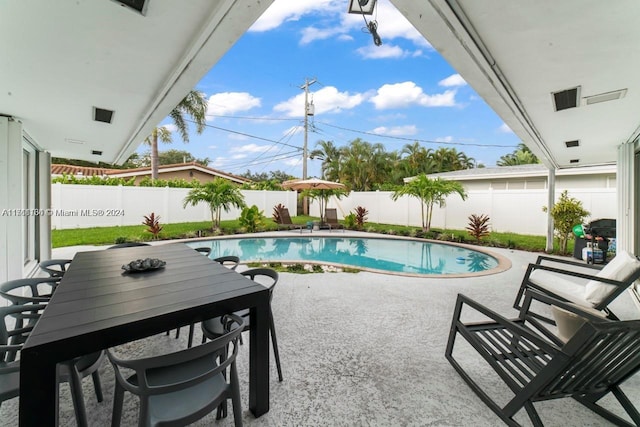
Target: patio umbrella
{"points": [[313, 184]]}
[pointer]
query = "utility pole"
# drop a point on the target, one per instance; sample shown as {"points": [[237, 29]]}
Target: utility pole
{"points": [[305, 87]]}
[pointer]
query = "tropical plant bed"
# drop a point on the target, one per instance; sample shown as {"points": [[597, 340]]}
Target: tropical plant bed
{"points": [[303, 268]]}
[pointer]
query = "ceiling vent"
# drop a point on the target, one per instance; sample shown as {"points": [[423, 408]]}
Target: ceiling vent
{"points": [[96, 152], [604, 97], [574, 143], [102, 115], [139, 6], [574, 161], [565, 99]]}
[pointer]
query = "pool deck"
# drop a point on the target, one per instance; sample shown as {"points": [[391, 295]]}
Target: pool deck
{"points": [[362, 349]]}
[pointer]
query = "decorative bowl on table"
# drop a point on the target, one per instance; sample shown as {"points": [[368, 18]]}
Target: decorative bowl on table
{"points": [[140, 265]]}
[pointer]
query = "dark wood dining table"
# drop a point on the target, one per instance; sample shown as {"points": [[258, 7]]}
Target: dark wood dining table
{"points": [[98, 305]]}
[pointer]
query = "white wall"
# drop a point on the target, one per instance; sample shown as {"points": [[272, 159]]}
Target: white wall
{"points": [[104, 206]]}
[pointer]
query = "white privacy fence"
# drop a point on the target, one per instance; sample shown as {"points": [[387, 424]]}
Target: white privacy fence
{"points": [[81, 206], [518, 211]]}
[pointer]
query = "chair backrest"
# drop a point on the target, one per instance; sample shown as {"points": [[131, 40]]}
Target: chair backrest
{"points": [[34, 290], [599, 355], [229, 261], [55, 267], [285, 218], [128, 245], [16, 323], [207, 352], [331, 215], [624, 267], [204, 250], [265, 276]]}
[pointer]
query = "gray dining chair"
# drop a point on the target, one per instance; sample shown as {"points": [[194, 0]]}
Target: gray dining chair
{"points": [[16, 323], [55, 267], [128, 245], [213, 328], [33, 290], [229, 261], [204, 250], [179, 388]]}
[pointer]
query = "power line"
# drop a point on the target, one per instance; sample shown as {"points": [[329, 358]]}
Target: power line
{"points": [[426, 141], [249, 135]]}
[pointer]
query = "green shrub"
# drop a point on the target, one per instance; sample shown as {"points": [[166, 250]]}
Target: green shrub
{"points": [[252, 219]]}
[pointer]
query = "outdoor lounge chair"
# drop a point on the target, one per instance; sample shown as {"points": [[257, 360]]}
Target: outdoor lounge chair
{"points": [[286, 223], [331, 218], [592, 364], [593, 290]]}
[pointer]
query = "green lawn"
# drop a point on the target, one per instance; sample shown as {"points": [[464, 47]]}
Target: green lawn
{"points": [[135, 233]]}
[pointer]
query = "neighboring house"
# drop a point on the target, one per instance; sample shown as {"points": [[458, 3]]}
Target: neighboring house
{"points": [[532, 177], [186, 171]]}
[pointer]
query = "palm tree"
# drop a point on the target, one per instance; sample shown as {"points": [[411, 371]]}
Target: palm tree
{"points": [[330, 156], [195, 106], [521, 156], [429, 192], [218, 194], [363, 165], [417, 159]]}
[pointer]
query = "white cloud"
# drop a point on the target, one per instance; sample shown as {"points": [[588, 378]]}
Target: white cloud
{"points": [[311, 34], [400, 95], [445, 139], [396, 130], [453, 80], [170, 127], [371, 51], [253, 148], [504, 128], [391, 23], [282, 11], [225, 103], [326, 100]]}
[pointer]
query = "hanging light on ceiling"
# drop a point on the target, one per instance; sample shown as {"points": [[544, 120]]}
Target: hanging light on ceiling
{"points": [[366, 7], [362, 7]]}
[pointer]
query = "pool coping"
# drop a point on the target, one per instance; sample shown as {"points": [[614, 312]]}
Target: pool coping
{"points": [[504, 263]]}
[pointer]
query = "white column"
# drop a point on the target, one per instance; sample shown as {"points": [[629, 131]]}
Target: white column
{"points": [[551, 199], [625, 191], [43, 250], [11, 181]]}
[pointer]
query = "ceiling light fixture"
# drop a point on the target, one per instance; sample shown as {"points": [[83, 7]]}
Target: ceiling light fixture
{"points": [[366, 7]]}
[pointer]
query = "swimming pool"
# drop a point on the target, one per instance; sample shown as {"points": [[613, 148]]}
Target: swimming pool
{"points": [[397, 256]]}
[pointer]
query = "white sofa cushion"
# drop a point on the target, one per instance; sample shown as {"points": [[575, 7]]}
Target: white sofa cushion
{"points": [[620, 268], [559, 285], [569, 322]]}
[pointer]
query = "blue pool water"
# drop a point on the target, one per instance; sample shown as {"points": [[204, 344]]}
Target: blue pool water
{"points": [[390, 255]]}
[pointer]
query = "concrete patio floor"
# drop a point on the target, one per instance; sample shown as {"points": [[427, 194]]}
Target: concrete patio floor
{"points": [[360, 349]]}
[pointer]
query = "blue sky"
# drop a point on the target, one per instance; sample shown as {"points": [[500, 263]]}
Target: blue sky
{"points": [[397, 93]]}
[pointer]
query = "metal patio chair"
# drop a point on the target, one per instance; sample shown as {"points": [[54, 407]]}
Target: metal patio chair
{"points": [[592, 364], [594, 289]]}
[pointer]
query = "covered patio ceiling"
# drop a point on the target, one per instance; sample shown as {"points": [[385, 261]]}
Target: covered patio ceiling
{"points": [[62, 59], [515, 54]]}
